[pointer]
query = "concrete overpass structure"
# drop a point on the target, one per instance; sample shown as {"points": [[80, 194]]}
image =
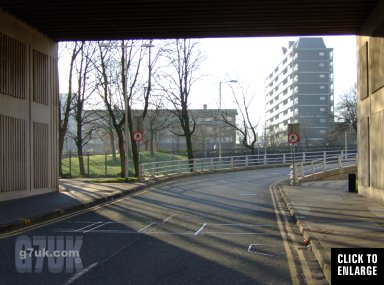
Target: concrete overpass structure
{"points": [[30, 30]]}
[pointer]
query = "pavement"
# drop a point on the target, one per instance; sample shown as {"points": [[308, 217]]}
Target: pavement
{"points": [[326, 213]]}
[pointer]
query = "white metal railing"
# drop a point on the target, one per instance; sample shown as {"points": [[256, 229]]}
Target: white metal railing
{"points": [[321, 165], [302, 159]]}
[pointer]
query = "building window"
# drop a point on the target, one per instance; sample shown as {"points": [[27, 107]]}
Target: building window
{"points": [[322, 132], [322, 75], [321, 64], [322, 87], [322, 98], [322, 109], [323, 120], [321, 53]]}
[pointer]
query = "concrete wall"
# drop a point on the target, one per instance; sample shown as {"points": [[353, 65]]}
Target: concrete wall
{"points": [[370, 46], [28, 110]]}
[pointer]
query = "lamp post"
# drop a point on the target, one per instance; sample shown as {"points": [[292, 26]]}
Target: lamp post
{"points": [[346, 144], [125, 94], [221, 82]]}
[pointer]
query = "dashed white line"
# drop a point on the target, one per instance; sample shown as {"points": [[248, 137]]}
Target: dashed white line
{"points": [[79, 274], [147, 226], [199, 230], [89, 226], [99, 226]]}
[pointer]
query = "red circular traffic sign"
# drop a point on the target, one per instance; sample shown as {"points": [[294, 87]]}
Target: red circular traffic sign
{"points": [[138, 136], [293, 138]]}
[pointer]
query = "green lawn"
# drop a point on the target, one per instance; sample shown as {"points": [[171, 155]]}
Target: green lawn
{"points": [[105, 166]]}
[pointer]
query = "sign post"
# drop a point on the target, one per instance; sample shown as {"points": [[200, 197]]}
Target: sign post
{"points": [[138, 136], [293, 139]]}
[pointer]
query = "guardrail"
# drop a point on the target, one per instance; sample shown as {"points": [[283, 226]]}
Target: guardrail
{"points": [[322, 165], [174, 167]]}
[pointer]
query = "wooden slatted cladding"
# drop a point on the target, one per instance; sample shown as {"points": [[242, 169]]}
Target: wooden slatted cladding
{"points": [[40, 77], [40, 155], [13, 67], [54, 111], [13, 154]]}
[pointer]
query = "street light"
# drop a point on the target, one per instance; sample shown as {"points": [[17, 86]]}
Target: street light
{"points": [[221, 82], [124, 47]]}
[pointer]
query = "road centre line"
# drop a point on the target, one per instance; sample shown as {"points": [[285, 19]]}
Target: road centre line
{"points": [[199, 230]]}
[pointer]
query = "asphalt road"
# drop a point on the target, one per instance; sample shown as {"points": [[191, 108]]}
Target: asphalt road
{"points": [[209, 229]]}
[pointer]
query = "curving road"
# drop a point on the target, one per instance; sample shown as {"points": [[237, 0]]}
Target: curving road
{"points": [[209, 229]]}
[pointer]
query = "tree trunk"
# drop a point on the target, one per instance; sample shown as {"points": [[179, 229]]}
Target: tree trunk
{"points": [[61, 146], [151, 141], [121, 152], [81, 159], [112, 142]]}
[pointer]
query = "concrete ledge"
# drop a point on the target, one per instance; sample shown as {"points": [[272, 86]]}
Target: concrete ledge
{"points": [[333, 174]]}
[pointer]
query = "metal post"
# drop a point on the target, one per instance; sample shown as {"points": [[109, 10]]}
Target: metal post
{"points": [[88, 162], [346, 146], [220, 119], [294, 165], [70, 163], [105, 164], [126, 173], [140, 166]]}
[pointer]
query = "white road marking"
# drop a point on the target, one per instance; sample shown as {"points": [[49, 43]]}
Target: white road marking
{"points": [[79, 274], [91, 225], [99, 226], [199, 230], [147, 226], [229, 233], [250, 225], [170, 217], [291, 261], [247, 194], [257, 252]]}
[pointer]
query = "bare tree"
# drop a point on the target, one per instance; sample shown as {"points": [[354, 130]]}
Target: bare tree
{"points": [[184, 59], [157, 120], [246, 128], [66, 105], [84, 127], [127, 80], [347, 109]]}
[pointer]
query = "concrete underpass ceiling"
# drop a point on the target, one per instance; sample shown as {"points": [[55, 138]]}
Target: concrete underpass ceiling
{"points": [[117, 19]]}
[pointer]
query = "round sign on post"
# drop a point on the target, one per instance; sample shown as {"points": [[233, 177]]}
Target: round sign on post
{"points": [[138, 136], [293, 138]]}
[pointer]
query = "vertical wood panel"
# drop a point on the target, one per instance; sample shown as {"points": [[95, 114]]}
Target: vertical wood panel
{"points": [[40, 77], [40, 155], [13, 55], [12, 154], [54, 96]]}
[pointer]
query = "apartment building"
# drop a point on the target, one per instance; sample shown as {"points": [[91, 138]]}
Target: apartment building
{"points": [[300, 90]]}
